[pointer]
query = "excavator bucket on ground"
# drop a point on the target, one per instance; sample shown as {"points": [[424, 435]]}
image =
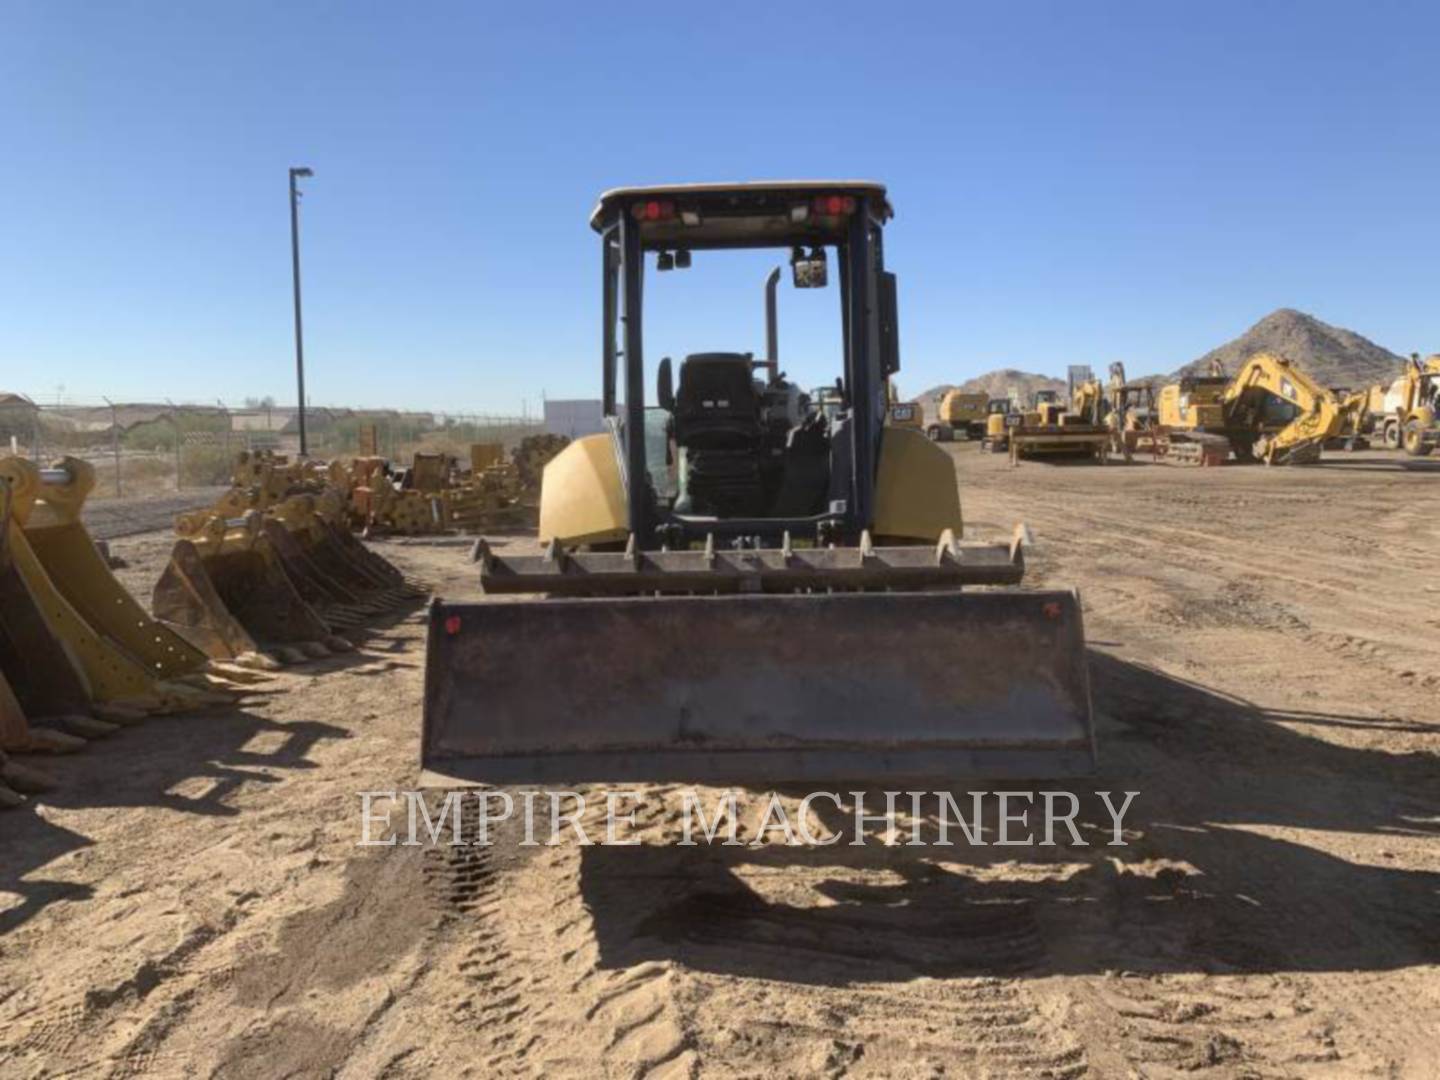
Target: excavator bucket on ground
{"points": [[52, 526], [67, 594], [16, 733], [757, 686], [345, 582], [225, 591], [45, 671]]}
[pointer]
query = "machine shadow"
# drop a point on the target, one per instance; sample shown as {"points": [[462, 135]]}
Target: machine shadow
{"points": [[187, 763], [1217, 874]]}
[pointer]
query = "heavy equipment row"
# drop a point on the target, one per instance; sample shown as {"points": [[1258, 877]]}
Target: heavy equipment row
{"points": [[1269, 411]]}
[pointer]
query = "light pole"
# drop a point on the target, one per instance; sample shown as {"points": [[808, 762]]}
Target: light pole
{"points": [[296, 173]]}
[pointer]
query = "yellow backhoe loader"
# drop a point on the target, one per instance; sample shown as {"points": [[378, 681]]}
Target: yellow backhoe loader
{"points": [[1404, 413], [737, 589]]}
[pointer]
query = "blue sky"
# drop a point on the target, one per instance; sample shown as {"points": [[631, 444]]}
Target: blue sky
{"points": [[1073, 183]]}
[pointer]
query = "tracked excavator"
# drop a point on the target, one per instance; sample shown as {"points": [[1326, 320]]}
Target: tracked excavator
{"points": [[1280, 415], [737, 589]]}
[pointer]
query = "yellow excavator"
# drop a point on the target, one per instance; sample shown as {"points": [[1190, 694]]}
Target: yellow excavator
{"points": [[958, 414], [1269, 411], [736, 588], [1281, 415]]}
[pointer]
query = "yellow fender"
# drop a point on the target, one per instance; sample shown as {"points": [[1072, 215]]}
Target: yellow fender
{"points": [[916, 494], [582, 500]]}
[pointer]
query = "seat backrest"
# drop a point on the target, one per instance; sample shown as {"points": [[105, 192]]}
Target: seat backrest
{"points": [[716, 394]]}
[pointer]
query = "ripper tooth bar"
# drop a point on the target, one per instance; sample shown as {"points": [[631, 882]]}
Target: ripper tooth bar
{"points": [[771, 570]]}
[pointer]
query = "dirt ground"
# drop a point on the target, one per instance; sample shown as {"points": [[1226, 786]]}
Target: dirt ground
{"points": [[1265, 652]]}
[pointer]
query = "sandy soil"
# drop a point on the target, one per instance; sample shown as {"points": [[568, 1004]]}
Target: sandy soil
{"points": [[1267, 672]]}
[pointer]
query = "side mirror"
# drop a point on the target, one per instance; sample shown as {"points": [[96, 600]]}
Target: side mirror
{"points": [[809, 271], [665, 386]]}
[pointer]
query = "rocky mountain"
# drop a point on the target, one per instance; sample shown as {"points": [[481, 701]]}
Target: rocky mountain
{"points": [[1331, 355]]}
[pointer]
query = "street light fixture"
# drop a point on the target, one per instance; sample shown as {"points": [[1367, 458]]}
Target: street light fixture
{"points": [[295, 174]]}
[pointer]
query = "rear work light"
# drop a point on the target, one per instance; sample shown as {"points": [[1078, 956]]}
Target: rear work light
{"points": [[652, 210], [834, 205]]}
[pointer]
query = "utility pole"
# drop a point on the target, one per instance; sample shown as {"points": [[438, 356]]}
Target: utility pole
{"points": [[296, 173], [114, 441]]}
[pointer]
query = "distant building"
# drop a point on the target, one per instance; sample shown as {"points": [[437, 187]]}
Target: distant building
{"points": [[573, 418], [17, 417]]}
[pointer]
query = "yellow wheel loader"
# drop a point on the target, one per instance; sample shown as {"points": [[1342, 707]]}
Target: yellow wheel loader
{"points": [[738, 589]]}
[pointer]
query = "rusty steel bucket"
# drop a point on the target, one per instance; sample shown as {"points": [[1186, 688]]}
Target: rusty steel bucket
{"points": [[758, 688]]}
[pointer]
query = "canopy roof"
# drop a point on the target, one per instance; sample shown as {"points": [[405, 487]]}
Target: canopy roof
{"points": [[756, 213]]}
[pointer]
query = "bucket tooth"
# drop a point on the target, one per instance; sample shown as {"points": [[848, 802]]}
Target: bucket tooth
{"points": [[24, 779], [19, 735], [9, 797], [82, 727], [125, 714]]}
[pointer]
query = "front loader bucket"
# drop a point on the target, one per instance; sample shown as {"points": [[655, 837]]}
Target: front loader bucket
{"points": [[757, 688]]}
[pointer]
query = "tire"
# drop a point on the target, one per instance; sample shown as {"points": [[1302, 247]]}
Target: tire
{"points": [[1391, 437], [1415, 444], [933, 432]]}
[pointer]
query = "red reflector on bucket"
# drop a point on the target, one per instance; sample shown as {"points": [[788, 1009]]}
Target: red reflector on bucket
{"points": [[452, 624]]}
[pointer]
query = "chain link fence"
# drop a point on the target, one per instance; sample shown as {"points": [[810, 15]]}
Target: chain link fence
{"points": [[140, 449]]}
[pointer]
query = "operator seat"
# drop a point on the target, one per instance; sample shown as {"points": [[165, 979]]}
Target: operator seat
{"points": [[718, 430]]}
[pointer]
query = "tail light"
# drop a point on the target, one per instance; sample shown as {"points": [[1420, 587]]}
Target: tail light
{"points": [[834, 205], [652, 210]]}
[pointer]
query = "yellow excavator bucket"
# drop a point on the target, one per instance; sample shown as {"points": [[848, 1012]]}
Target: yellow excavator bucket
{"points": [[52, 526], [330, 568], [113, 675], [225, 591]]}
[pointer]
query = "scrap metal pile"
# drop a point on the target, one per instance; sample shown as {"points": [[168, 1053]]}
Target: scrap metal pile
{"points": [[437, 494]]}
